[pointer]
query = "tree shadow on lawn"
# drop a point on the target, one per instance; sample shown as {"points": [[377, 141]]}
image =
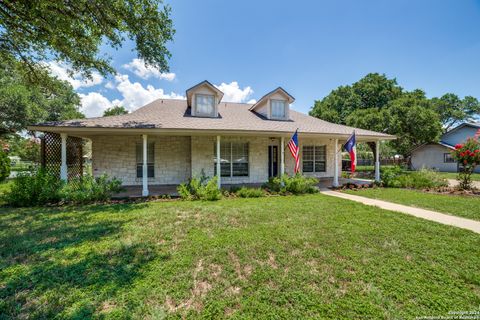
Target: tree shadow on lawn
{"points": [[38, 278], [26, 233]]}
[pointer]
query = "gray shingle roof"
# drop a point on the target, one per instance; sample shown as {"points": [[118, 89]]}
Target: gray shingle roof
{"points": [[174, 114]]}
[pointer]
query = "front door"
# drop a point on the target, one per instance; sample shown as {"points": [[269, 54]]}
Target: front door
{"points": [[272, 161]]}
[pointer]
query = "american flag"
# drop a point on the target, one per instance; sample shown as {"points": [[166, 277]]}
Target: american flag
{"points": [[294, 150]]}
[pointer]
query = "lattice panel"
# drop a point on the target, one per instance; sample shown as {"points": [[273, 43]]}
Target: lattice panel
{"points": [[52, 155], [75, 157]]}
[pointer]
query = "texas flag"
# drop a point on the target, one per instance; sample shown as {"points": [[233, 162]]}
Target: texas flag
{"points": [[351, 147]]}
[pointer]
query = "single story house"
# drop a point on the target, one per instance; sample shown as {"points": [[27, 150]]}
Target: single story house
{"points": [[169, 141], [438, 155]]}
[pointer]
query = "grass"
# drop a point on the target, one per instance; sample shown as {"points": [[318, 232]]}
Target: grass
{"points": [[454, 175], [463, 206], [5, 187], [274, 257]]}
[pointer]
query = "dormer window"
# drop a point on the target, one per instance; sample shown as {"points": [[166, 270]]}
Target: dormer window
{"points": [[275, 105], [203, 100], [279, 109], [205, 105]]}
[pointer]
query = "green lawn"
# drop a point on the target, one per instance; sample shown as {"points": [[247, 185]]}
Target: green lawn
{"points": [[4, 187], [463, 206], [278, 257], [454, 175]]}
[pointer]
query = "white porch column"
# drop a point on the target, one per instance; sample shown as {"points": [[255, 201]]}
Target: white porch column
{"points": [[218, 164], [282, 156], [63, 166], [377, 161], [145, 166], [335, 166]]}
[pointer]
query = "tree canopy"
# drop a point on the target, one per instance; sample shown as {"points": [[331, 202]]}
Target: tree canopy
{"points": [[453, 110], [23, 103], [378, 103], [372, 91], [115, 111], [74, 31]]}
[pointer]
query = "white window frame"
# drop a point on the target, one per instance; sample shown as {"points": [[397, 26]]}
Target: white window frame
{"points": [[201, 114], [448, 156], [229, 146], [285, 109], [314, 160]]}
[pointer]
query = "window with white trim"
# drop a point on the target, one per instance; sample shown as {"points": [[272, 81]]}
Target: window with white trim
{"points": [[314, 158], [233, 159], [150, 159], [448, 158], [279, 109], [205, 105]]}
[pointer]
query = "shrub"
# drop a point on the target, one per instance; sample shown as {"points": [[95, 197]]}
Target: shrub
{"points": [[34, 188], [274, 184], [425, 178], [389, 176], [4, 166], [200, 188], [296, 184], [468, 156], [250, 192], [299, 184], [90, 189], [39, 188]]}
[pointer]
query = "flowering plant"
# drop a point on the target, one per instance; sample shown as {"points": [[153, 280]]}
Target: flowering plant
{"points": [[468, 156]]}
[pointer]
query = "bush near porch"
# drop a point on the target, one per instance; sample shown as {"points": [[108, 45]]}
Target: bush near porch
{"points": [[41, 188], [297, 184], [205, 188], [285, 257]]}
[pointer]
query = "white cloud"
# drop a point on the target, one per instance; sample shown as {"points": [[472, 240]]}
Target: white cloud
{"points": [[233, 93], [136, 95], [60, 70], [94, 104], [109, 85], [137, 66], [252, 101]]}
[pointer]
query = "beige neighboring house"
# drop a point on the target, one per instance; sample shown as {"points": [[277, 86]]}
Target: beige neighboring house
{"points": [[169, 141]]}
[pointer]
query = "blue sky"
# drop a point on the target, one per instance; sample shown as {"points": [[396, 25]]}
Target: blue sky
{"points": [[307, 47]]}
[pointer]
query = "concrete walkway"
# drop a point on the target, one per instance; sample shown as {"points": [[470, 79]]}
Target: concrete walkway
{"points": [[459, 222]]}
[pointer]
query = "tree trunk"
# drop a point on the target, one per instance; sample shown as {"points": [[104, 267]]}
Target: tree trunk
{"points": [[373, 146]]}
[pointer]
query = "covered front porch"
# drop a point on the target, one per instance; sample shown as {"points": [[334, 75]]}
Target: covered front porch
{"points": [[154, 163]]}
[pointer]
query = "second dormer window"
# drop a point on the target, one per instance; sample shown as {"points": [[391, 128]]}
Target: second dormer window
{"points": [[279, 109], [205, 105]]}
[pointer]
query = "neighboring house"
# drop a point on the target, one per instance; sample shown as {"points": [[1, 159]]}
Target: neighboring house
{"points": [[169, 141], [438, 155]]}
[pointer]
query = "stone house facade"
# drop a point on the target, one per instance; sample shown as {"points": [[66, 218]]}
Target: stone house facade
{"points": [[169, 141]]}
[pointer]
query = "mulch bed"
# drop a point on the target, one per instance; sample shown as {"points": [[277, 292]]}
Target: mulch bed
{"points": [[354, 186], [453, 191]]}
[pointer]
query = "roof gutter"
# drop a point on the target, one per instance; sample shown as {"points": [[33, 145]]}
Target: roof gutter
{"points": [[90, 131]]}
